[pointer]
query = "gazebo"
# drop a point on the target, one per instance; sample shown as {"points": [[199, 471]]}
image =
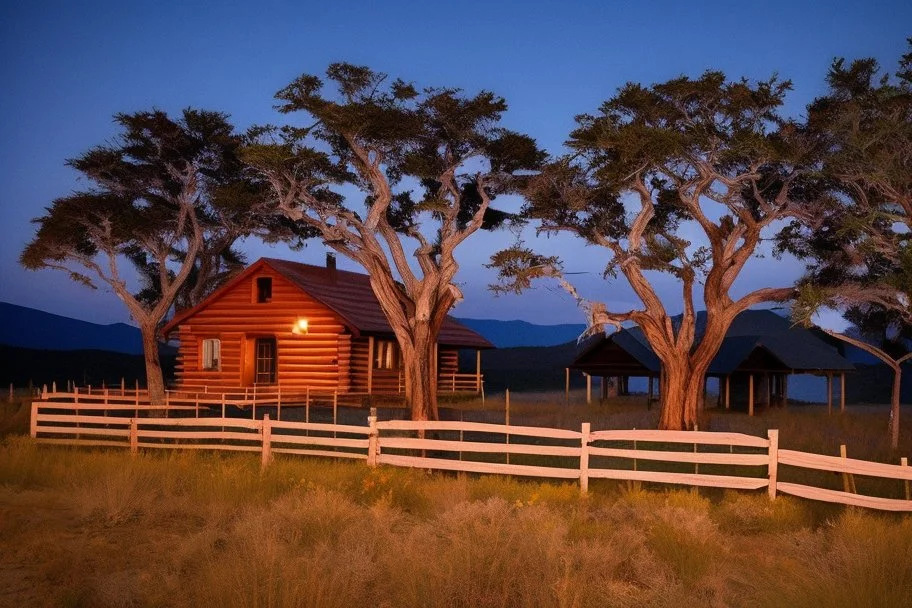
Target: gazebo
{"points": [[759, 353]]}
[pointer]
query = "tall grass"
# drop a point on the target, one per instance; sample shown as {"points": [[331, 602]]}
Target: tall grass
{"points": [[101, 528]]}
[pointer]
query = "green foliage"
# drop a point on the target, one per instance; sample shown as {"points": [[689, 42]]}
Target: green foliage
{"points": [[518, 266], [668, 152], [857, 229], [164, 191], [425, 136]]}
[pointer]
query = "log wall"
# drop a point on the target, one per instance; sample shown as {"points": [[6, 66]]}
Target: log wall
{"points": [[320, 358]]}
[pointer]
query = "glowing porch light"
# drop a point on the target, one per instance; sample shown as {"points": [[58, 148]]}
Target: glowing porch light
{"points": [[300, 326]]}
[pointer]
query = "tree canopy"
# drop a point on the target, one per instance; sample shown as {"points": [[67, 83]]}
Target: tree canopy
{"points": [[428, 163], [856, 228], [707, 152], [167, 195], [856, 232]]}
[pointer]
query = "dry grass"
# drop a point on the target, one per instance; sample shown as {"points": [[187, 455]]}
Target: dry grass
{"points": [[99, 528], [83, 527]]}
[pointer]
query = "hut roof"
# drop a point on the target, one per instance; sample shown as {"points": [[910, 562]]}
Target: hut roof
{"points": [[754, 336]]}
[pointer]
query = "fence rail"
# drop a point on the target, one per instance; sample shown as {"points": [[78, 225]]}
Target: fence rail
{"points": [[751, 463]]}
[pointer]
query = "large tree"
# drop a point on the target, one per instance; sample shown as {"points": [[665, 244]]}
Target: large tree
{"points": [[857, 231], [428, 163], [707, 154], [159, 197]]}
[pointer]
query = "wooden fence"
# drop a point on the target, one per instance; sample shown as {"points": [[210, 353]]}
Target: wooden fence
{"points": [[694, 458]]}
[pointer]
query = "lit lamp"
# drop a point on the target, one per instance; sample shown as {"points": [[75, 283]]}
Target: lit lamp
{"points": [[300, 326]]}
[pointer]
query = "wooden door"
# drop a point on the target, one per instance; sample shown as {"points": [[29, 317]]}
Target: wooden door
{"points": [[265, 361]]}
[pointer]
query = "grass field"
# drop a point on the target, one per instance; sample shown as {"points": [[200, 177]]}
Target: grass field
{"points": [[83, 527]]}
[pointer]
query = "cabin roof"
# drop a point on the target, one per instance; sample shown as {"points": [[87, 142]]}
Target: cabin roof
{"points": [[346, 293], [795, 348]]}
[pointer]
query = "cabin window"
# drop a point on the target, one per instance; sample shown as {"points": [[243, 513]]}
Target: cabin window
{"points": [[264, 289], [386, 354], [212, 354]]}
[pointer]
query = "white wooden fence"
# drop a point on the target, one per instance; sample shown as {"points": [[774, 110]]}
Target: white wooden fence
{"points": [[729, 460]]}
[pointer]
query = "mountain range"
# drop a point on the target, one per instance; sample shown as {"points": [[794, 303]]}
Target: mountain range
{"points": [[39, 347], [30, 328], [25, 327]]}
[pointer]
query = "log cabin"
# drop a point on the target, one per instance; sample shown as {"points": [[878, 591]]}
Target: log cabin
{"points": [[297, 326]]}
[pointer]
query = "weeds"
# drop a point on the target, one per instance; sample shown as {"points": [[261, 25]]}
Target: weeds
{"points": [[83, 527]]}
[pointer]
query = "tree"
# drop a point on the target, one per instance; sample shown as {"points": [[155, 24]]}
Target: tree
{"points": [[159, 198], [707, 153], [387, 140], [858, 231]]}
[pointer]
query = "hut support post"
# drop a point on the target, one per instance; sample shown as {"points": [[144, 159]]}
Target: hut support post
{"points": [[829, 393], [728, 392], [842, 392], [750, 394], [478, 371], [588, 389]]}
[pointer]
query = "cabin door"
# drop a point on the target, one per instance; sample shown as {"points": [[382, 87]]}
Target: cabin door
{"points": [[265, 363]]}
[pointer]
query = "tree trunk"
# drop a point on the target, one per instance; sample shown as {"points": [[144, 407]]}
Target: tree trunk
{"points": [[894, 407], [680, 393], [419, 361], [154, 379]]}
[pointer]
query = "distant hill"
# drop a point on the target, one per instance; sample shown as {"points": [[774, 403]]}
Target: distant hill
{"points": [[509, 334], [35, 329], [23, 366]]}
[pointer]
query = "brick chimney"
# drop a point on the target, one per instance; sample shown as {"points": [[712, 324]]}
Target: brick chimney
{"points": [[331, 265]]}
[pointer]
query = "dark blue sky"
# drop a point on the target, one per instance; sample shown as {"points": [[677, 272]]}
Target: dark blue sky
{"points": [[67, 67]]}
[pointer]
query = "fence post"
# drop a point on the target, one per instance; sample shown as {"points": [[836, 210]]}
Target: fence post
{"points": [[848, 480], [134, 436], [903, 462], [335, 410], [773, 435], [584, 458], [279, 403], [373, 439], [54, 386], [33, 424], [223, 404], [267, 441], [123, 386]]}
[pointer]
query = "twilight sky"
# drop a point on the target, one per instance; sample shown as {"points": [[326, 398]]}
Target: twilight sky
{"points": [[70, 66]]}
